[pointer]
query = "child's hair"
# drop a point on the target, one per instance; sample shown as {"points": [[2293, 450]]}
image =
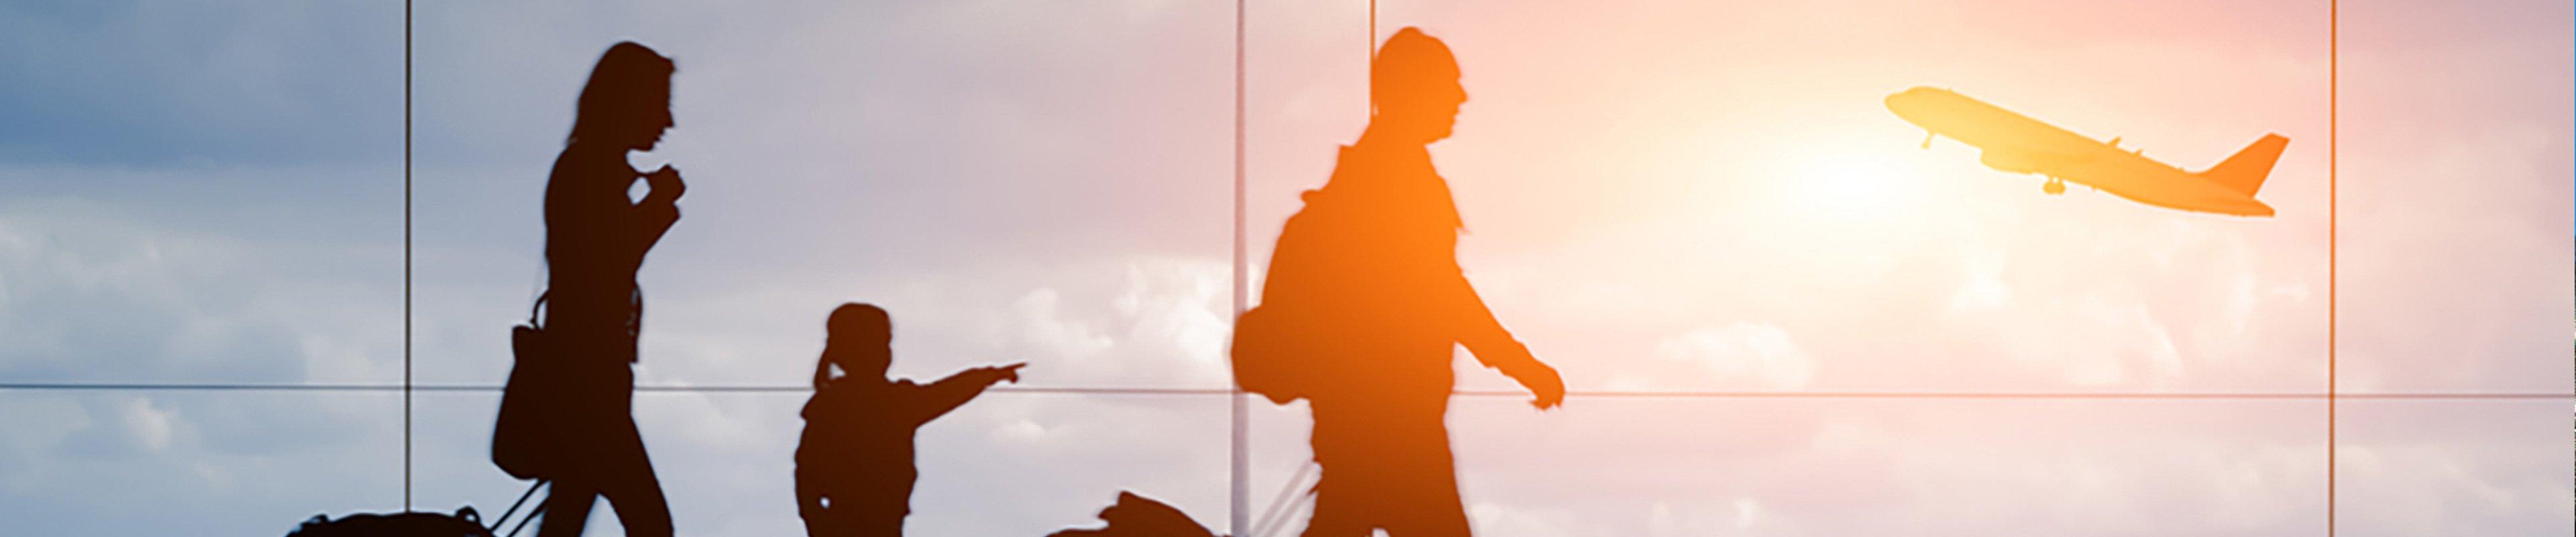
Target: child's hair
{"points": [[852, 320]]}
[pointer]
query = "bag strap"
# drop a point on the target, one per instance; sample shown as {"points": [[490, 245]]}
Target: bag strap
{"points": [[537, 307], [544, 268]]}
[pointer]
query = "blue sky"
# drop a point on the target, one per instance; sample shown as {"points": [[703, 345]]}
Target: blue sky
{"points": [[208, 191]]}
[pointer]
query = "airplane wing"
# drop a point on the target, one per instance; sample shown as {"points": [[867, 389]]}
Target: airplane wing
{"points": [[2016, 161]]}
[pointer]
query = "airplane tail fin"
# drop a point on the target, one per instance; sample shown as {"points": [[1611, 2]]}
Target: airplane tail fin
{"points": [[2245, 171]]}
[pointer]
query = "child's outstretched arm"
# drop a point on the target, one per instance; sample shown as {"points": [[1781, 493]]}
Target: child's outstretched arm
{"points": [[949, 393]]}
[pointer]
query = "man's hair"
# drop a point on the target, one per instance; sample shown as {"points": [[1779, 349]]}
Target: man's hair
{"points": [[626, 79], [1408, 60]]}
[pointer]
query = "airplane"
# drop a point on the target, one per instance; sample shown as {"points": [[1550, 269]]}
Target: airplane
{"points": [[2018, 144]]}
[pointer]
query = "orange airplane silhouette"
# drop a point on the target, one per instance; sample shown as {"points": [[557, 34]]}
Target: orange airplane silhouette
{"points": [[2018, 144]]}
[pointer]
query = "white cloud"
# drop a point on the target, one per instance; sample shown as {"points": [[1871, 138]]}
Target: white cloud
{"points": [[1038, 326], [1743, 353], [150, 426]]}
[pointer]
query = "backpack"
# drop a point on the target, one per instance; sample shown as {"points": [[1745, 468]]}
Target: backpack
{"points": [[1275, 342]]}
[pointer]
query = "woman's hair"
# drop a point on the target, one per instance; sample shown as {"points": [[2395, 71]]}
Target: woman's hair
{"points": [[630, 77], [854, 320]]}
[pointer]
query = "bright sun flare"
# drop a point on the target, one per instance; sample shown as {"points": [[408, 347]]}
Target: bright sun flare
{"points": [[1852, 186]]}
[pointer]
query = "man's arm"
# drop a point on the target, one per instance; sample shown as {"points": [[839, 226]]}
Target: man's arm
{"points": [[1493, 346]]}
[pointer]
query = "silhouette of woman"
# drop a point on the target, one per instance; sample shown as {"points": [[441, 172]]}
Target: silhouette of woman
{"points": [[595, 240]]}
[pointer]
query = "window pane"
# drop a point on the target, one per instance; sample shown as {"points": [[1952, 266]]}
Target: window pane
{"points": [[201, 193], [1044, 184], [1008, 463], [2456, 197], [195, 463], [1713, 196], [2412, 467], [1630, 466]]}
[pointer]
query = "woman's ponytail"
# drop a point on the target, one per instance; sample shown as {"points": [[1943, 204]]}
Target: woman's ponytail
{"points": [[822, 371]]}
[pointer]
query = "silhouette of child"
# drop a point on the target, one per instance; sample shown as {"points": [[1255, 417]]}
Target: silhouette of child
{"points": [[854, 471]]}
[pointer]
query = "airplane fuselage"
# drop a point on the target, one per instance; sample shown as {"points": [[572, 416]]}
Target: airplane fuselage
{"points": [[2018, 144]]}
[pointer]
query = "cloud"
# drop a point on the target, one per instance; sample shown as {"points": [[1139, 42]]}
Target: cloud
{"points": [[95, 295], [159, 83], [1110, 321], [150, 426], [1743, 353], [1045, 330]]}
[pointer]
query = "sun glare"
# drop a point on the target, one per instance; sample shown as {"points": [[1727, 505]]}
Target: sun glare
{"points": [[1850, 187]]}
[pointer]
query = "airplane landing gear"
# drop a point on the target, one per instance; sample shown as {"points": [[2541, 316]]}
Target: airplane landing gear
{"points": [[1927, 139], [2054, 187]]}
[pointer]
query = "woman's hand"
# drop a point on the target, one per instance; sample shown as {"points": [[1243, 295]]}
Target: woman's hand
{"points": [[665, 184]]}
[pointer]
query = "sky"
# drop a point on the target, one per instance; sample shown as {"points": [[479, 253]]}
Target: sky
{"points": [[1658, 196]]}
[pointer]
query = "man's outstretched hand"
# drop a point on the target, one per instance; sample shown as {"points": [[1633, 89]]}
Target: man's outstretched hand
{"points": [[1542, 382]]}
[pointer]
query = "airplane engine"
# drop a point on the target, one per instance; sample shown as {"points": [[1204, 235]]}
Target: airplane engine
{"points": [[2008, 162]]}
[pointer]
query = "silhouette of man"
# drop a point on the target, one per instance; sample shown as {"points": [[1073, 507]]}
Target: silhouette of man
{"points": [[854, 470], [595, 241], [1402, 305]]}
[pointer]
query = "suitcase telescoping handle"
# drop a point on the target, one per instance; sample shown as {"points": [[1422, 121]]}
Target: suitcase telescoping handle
{"points": [[540, 508]]}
